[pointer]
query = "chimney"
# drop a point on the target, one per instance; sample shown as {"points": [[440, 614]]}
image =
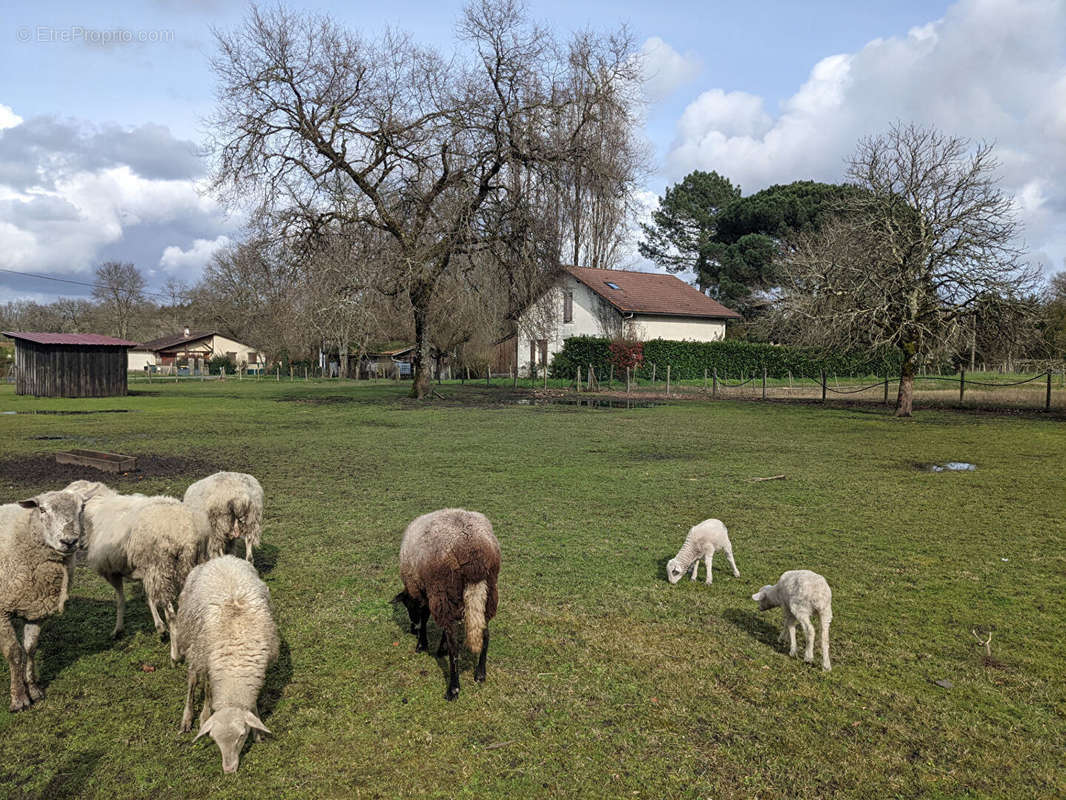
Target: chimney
{"points": [[185, 332]]}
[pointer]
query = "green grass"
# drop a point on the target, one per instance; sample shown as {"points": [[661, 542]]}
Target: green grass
{"points": [[603, 679]]}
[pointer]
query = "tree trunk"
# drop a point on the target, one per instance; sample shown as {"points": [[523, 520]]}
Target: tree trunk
{"points": [[344, 359], [905, 398], [420, 384]]}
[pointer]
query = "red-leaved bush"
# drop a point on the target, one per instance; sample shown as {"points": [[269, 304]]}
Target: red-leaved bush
{"points": [[626, 353]]}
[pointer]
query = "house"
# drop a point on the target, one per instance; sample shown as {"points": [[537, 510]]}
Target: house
{"points": [[613, 303], [192, 350], [398, 361], [69, 364]]}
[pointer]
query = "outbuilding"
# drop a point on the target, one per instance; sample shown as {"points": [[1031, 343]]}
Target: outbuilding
{"points": [[69, 364]]}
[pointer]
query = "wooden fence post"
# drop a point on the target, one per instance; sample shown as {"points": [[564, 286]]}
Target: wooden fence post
{"points": [[277, 374], [291, 376], [545, 376], [714, 391], [1047, 401], [667, 380], [764, 383], [610, 377], [653, 374], [591, 377], [627, 381], [962, 384], [823, 385], [579, 379]]}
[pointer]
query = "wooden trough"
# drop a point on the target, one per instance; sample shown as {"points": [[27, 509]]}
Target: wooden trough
{"points": [[108, 462]]}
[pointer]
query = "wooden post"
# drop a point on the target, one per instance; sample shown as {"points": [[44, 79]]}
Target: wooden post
{"points": [[591, 377], [545, 376], [514, 378], [823, 385], [291, 375], [653, 374], [1047, 400], [962, 384], [467, 374], [667, 380], [790, 383], [610, 377], [764, 383], [579, 379], [277, 374], [628, 384], [714, 390]]}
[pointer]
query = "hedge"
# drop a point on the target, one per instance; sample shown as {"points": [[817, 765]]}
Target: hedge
{"points": [[731, 357]]}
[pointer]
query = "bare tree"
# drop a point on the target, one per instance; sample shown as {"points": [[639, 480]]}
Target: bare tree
{"points": [[119, 288], [388, 134], [909, 257]]}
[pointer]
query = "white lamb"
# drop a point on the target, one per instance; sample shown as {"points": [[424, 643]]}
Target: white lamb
{"points": [[156, 540], [38, 540], [226, 634], [801, 593], [702, 542], [233, 502]]}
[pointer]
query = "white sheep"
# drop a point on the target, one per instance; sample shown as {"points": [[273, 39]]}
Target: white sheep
{"points": [[226, 634], [702, 542], [801, 593], [39, 538], [156, 540], [449, 565], [233, 502]]}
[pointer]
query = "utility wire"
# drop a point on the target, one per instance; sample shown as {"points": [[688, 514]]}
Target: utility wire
{"points": [[76, 283]]}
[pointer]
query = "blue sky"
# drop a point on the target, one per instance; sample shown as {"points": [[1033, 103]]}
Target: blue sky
{"points": [[99, 138]]}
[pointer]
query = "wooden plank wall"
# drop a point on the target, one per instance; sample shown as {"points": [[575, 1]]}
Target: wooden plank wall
{"points": [[45, 370]]}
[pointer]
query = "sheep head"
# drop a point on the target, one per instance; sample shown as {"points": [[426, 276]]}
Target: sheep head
{"points": [[766, 597], [56, 517], [674, 570], [229, 727]]}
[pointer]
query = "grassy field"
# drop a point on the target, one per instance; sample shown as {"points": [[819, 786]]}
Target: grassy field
{"points": [[603, 679]]}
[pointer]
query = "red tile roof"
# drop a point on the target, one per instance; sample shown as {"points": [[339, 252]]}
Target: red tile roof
{"points": [[86, 339], [651, 293]]}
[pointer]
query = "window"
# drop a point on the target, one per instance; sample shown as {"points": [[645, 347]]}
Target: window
{"points": [[568, 306], [611, 285]]}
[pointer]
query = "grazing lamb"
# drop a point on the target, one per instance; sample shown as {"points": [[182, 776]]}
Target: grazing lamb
{"points": [[801, 593], [233, 502], [38, 540], [226, 634], [156, 540], [702, 542], [449, 563]]}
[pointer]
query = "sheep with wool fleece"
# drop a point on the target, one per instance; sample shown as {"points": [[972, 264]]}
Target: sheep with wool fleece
{"points": [[39, 538], [801, 593], [701, 542], [233, 502], [226, 634]]}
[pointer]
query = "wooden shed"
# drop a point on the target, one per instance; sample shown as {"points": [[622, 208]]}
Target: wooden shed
{"points": [[69, 364]]}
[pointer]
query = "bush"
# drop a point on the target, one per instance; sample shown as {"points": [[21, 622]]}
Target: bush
{"points": [[731, 357], [216, 364]]}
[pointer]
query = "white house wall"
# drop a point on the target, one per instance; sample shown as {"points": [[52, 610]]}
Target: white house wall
{"points": [[681, 329], [137, 360], [221, 345]]}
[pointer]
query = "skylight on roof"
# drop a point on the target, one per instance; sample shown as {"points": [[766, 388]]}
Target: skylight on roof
{"points": [[611, 285]]}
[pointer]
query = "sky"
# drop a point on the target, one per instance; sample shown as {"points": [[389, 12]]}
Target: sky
{"points": [[103, 109]]}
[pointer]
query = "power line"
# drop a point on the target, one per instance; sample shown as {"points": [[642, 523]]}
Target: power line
{"points": [[76, 283]]}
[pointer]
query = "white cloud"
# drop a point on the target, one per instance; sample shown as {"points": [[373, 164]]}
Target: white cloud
{"points": [[992, 70], [176, 261], [664, 69], [8, 118]]}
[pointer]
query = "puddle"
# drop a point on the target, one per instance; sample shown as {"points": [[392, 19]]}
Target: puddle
{"points": [[69, 413], [590, 402], [950, 466]]}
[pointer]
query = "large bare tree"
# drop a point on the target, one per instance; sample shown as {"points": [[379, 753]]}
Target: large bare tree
{"points": [[427, 148], [119, 288], [908, 258]]}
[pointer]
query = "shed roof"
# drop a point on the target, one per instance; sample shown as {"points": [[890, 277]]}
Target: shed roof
{"points": [[650, 293], [83, 339]]}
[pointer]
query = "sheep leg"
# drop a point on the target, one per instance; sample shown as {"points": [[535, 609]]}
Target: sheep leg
{"points": [[423, 619], [732, 563], [120, 605], [31, 634], [825, 620], [16, 662], [790, 627], [453, 668], [695, 568], [172, 621], [190, 694], [479, 671], [808, 632], [707, 560], [205, 713]]}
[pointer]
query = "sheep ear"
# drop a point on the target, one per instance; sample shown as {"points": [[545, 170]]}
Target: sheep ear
{"points": [[29, 503], [255, 723], [209, 723], [757, 596]]}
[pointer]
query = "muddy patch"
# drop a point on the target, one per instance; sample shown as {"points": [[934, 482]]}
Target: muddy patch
{"points": [[41, 469]]}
